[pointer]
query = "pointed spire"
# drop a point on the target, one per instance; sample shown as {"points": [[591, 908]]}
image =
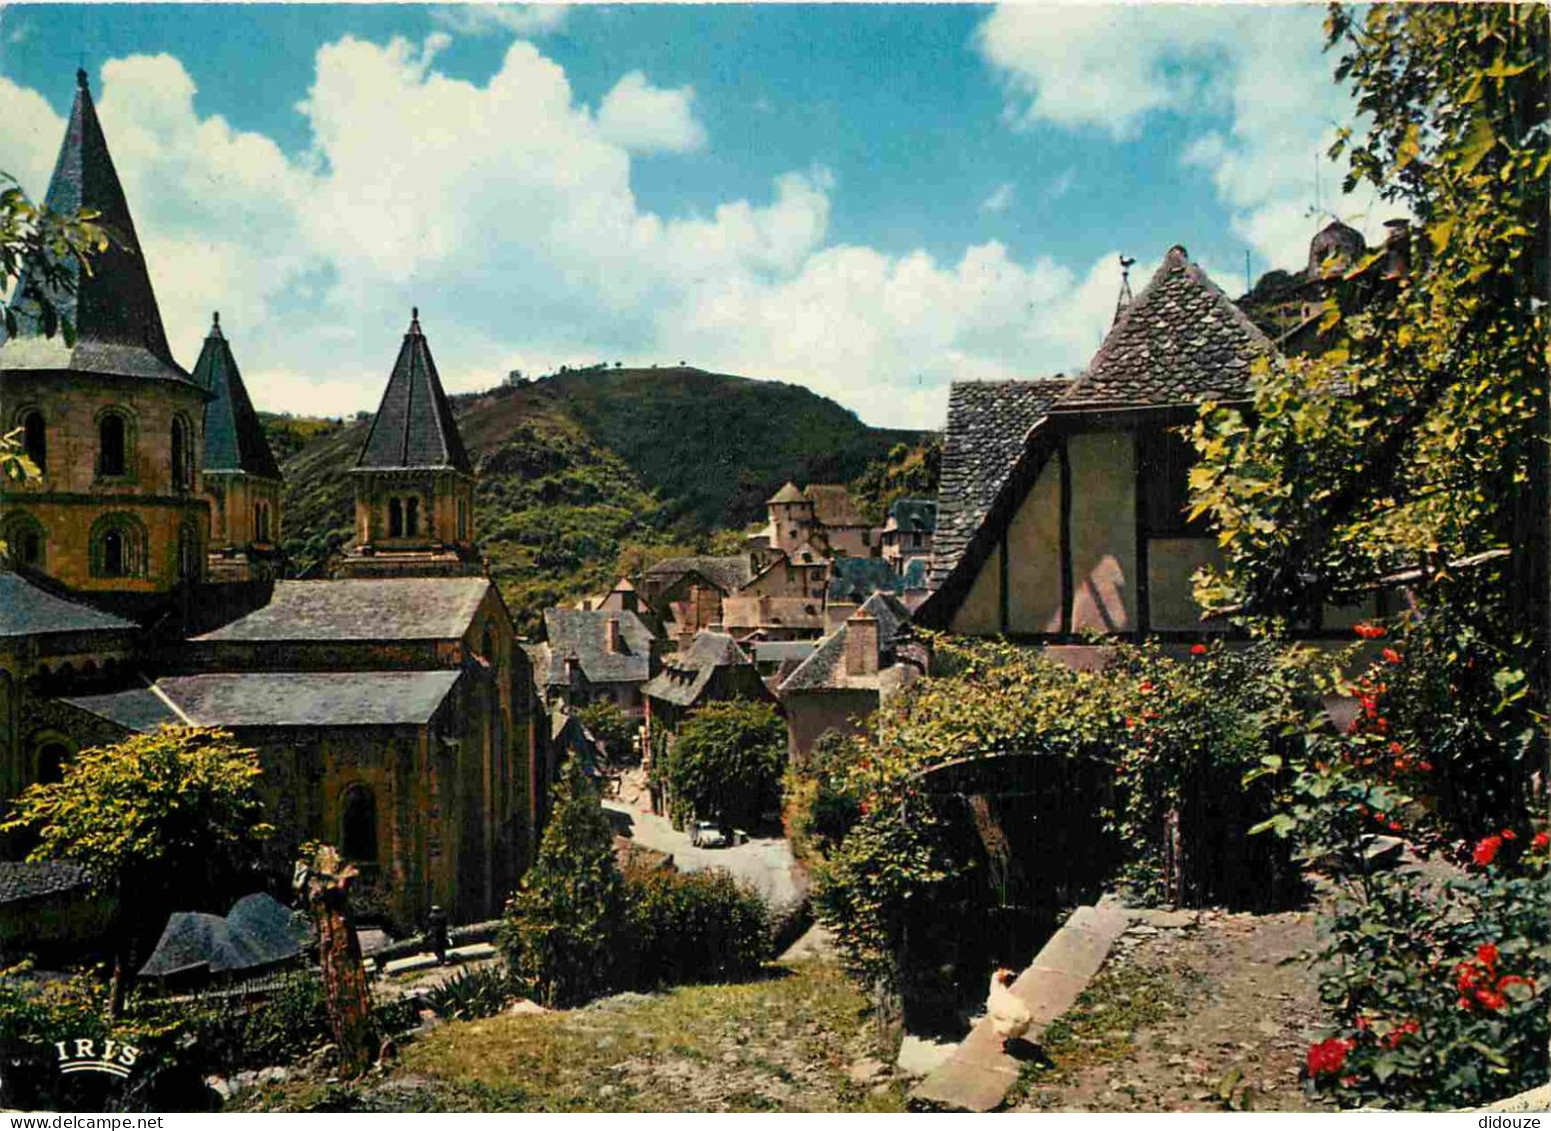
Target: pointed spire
{"points": [[414, 425], [215, 329], [234, 438], [118, 325]]}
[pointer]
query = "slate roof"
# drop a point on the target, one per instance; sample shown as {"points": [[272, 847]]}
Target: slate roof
{"points": [[136, 709], [912, 514], [988, 424], [582, 635], [29, 610], [685, 676], [728, 574], [833, 506], [825, 670], [118, 325], [419, 608], [861, 577], [234, 438], [258, 931], [283, 699], [787, 494], [779, 651], [1180, 342], [414, 425], [770, 612], [22, 880]]}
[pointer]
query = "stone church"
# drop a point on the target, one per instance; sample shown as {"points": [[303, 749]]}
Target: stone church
{"points": [[392, 707]]}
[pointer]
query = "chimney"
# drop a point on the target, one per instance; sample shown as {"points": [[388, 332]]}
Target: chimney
{"points": [[611, 641], [862, 645], [1397, 249]]}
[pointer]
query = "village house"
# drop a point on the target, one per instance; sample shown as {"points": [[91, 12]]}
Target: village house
{"points": [[1062, 504], [907, 533], [868, 660], [811, 524], [595, 656]]}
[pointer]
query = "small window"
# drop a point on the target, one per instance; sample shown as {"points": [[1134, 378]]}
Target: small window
{"points": [[111, 446], [395, 519], [113, 555], [412, 517], [51, 762], [180, 456], [463, 519], [25, 540], [358, 825], [188, 553], [35, 439], [118, 546]]}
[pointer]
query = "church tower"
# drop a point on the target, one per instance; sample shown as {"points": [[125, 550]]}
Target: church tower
{"points": [[242, 479], [414, 484], [111, 420]]}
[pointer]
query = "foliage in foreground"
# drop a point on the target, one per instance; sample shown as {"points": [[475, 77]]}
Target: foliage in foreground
{"points": [[725, 763]]}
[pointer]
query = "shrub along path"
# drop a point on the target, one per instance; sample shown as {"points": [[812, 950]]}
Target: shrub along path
{"points": [[1193, 1018]]}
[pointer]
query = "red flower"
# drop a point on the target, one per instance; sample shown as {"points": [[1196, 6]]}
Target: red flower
{"points": [[1327, 1057], [1486, 851], [1396, 749], [1198, 649], [1145, 686], [1394, 826], [1515, 980], [1509, 834], [1487, 954], [1425, 767], [1539, 842], [1368, 631], [1362, 1023], [1390, 656], [1491, 999]]}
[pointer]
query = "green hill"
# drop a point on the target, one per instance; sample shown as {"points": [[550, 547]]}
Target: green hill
{"points": [[585, 470]]}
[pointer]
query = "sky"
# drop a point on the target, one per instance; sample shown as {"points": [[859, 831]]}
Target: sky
{"points": [[870, 200]]}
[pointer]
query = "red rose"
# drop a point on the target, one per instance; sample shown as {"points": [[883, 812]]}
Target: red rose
{"points": [[1368, 631], [1487, 954], [1394, 826], [1486, 851], [1539, 842], [1425, 767], [1327, 1057], [1390, 656], [1198, 649], [1509, 834], [1145, 686], [1491, 999]]}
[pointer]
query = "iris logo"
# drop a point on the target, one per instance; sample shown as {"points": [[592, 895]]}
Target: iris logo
{"points": [[81, 1055]]}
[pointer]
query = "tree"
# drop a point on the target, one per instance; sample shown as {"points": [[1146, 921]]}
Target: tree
{"points": [[322, 882], [159, 822], [726, 762], [562, 925], [609, 725], [42, 244], [1420, 439]]}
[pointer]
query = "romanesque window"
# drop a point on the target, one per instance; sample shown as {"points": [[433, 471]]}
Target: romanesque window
{"points": [[118, 546], [51, 762], [25, 540], [35, 439], [358, 824], [412, 517], [112, 445], [261, 522], [395, 519], [188, 552], [463, 519], [182, 463]]}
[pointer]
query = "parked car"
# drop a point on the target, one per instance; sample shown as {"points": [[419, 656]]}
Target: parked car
{"points": [[708, 834]]}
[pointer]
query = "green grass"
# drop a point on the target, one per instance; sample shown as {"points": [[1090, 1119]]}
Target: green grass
{"points": [[782, 1043]]}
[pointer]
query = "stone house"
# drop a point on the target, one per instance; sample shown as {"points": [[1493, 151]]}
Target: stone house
{"points": [[820, 520], [1062, 502], [869, 659], [907, 533], [773, 618], [596, 655]]}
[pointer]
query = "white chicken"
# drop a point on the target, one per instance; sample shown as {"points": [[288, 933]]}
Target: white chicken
{"points": [[1010, 1017]]}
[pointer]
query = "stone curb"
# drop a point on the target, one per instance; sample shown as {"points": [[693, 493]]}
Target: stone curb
{"points": [[978, 1076]]}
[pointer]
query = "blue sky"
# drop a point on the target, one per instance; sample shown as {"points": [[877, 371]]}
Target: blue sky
{"points": [[872, 200]]}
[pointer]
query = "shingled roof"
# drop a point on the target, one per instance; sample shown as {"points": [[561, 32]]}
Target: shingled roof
{"points": [[787, 494], [234, 438], [414, 427], [418, 608], [833, 505], [21, 881], [118, 325], [280, 699], [685, 677], [988, 424], [912, 515], [1180, 342], [29, 610], [582, 635], [824, 670], [729, 574]]}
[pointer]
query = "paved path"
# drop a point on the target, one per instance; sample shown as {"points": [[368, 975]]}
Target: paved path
{"points": [[764, 862]]}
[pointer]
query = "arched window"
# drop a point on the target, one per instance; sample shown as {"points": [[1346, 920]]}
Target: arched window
{"points": [[181, 463], [118, 546], [358, 824], [112, 445], [35, 439], [395, 519], [51, 762], [463, 520], [25, 540], [412, 517], [188, 552]]}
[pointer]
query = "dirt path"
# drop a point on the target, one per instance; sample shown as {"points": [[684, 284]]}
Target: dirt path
{"points": [[1226, 1025]]}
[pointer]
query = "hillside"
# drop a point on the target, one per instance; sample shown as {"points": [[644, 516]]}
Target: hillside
{"points": [[582, 469]]}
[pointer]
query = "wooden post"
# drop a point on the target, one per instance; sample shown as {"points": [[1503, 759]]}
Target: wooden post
{"points": [[323, 882]]}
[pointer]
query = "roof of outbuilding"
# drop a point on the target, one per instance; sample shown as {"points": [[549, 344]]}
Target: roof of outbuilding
{"points": [[582, 635], [234, 438], [825, 670], [414, 426], [728, 574], [988, 424], [282, 699], [777, 651], [417, 608], [861, 577], [113, 307], [1180, 342], [29, 610], [258, 931], [912, 515], [21, 880], [685, 677]]}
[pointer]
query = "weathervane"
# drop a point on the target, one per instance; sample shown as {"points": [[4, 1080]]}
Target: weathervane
{"points": [[1125, 286]]}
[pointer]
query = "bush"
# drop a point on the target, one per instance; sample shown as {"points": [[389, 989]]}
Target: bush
{"points": [[725, 763], [562, 926], [692, 927], [474, 993], [609, 725]]}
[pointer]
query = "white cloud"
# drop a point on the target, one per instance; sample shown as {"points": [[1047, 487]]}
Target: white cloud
{"points": [[1000, 197], [1062, 185], [526, 20], [642, 118]]}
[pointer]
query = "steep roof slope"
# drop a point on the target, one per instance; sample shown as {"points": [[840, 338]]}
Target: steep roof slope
{"points": [[582, 635], [117, 322], [234, 438], [29, 610], [414, 425], [419, 608]]}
